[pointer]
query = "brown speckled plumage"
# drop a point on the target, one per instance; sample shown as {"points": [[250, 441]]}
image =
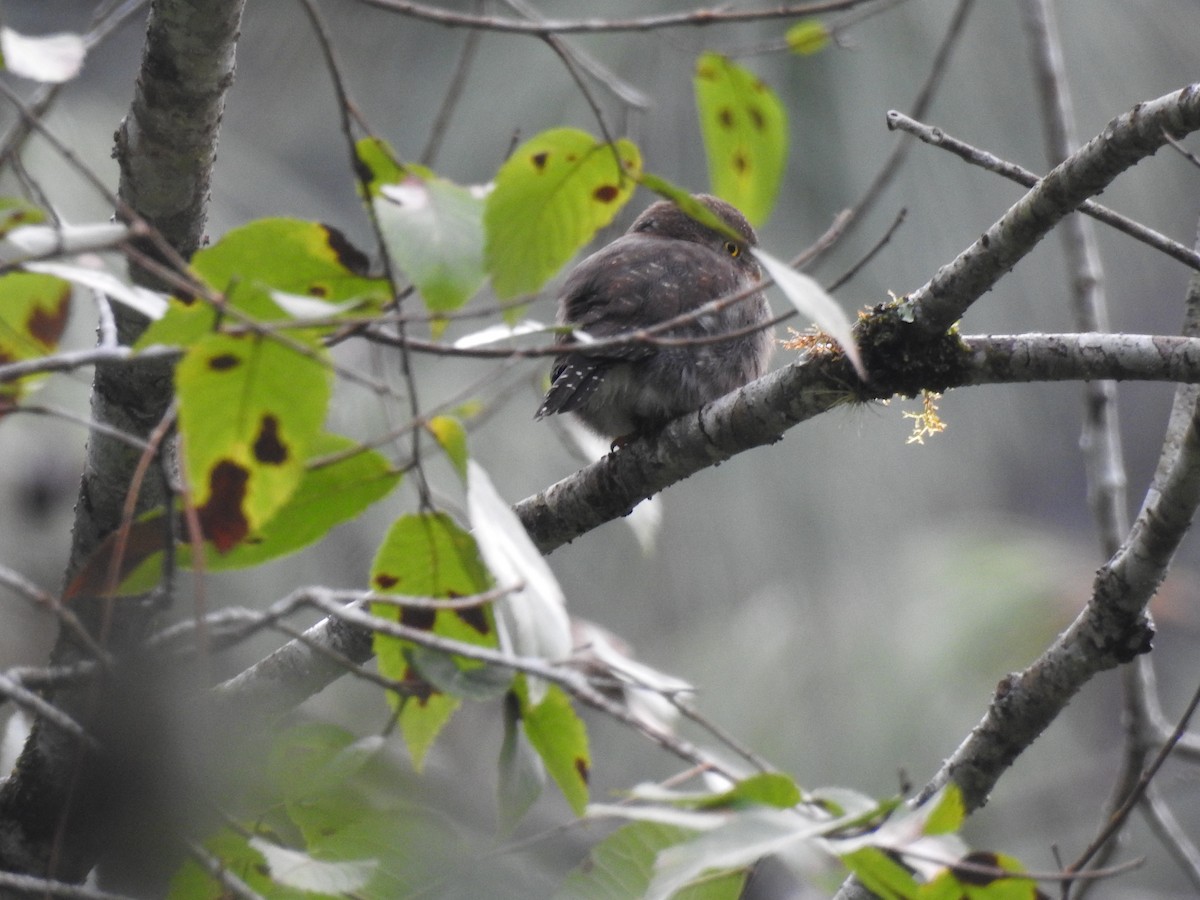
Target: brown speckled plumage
{"points": [[667, 264]]}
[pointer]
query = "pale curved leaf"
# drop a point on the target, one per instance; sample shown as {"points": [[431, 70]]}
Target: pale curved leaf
{"points": [[814, 303]]}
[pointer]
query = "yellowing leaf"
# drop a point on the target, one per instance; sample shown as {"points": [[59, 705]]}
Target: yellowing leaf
{"points": [[428, 555], [249, 409], [807, 37], [550, 197], [450, 434], [745, 135], [16, 212], [33, 314]]}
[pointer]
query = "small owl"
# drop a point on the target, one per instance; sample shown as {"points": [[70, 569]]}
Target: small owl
{"points": [[666, 265]]}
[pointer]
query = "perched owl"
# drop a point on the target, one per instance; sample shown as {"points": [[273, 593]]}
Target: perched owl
{"points": [[666, 265]]}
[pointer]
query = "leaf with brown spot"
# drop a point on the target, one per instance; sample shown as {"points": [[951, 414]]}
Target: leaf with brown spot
{"points": [[744, 127], [417, 617], [474, 617], [427, 555], [254, 404], [223, 362], [46, 325], [288, 257], [560, 738], [15, 212], [607, 193], [545, 204], [327, 495], [268, 448], [33, 315], [222, 517]]}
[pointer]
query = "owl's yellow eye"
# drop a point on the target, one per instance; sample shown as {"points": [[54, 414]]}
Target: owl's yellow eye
{"points": [[733, 249]]}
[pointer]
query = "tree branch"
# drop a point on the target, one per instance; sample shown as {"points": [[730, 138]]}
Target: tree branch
{"points": [[764, 410], [49, 809], [1126, 140], [542, 27]]}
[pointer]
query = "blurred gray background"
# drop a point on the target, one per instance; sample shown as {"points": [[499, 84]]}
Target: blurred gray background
{"points": [[844, 601]]}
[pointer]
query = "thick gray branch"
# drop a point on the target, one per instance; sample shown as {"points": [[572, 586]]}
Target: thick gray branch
{"points": [[763, 411], [52, 807]]}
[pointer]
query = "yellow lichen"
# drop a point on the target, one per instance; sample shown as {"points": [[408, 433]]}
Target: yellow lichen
{"points": [[927, 423]]}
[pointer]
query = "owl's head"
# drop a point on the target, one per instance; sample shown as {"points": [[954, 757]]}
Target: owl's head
{"points": [[665, 219]]}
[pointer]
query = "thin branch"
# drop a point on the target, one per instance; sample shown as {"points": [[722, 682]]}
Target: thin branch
{"points": [[1172, 835], [219, 871], [33, 704], [69, 361], [1112, 629], [247, 688], [441, 122], [610, 80], [1117, 820], [390, 274], [937, 70], [542, 27], [1127, 139], [19, 584], [938, 138], [15, 884]]}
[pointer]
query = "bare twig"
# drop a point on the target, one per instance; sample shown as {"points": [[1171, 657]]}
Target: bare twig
{"points": [[938, 138], [1117, 820], [598, 25]]}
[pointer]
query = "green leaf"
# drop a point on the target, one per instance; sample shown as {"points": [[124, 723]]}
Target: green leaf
{"points": [[622, 864], [251, 263], [192, 882], [948, 811], [958, 883], [881, 874], [16, 212], [428, 555], [315, 757], [689, 204], [326, 496], [451, 436], [301, 871], [808, 36], [560, 738], [289, 255], [551, 196], [742, 839], [249, 411], [745, 135], [381, 165], [765, 789], [451, 676], [433, 232]]}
